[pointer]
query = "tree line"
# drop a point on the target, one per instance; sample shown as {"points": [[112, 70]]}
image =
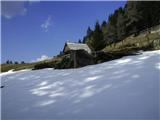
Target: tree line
{"points": [[134, 17], [16, 62]]}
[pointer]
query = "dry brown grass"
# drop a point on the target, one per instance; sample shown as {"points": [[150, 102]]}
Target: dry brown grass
{"points": [[136, 42]]}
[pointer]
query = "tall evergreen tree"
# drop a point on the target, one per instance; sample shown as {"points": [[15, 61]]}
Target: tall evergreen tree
{"points": [[79, 41], [150, 10], [104, 31], [10, 62], [89, 37], [89, 31], [7, 62], [121, 24], [132, 12], [98, 42], [22, 62], [111, 35], [104, 27], [16, 62]]}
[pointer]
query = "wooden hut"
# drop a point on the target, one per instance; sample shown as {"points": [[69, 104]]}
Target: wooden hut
{"points": [[68, 47], [80, 53]]}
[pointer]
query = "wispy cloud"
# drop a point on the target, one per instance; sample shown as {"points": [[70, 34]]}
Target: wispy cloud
{"points": [[43, 57], [12, 8], [47, 23]]}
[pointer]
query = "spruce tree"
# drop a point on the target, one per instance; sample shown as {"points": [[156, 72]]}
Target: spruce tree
{"points": [[98, 42], [79, 41], [121, 24], [16, 62], [7, 62]]}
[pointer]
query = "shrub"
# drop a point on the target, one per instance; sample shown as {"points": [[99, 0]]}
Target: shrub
{"points": [[64, 63], [44, 65]]}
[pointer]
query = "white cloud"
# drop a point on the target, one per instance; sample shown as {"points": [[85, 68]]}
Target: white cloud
{"points": [[43, 57], [47, 23], [12, 8]]}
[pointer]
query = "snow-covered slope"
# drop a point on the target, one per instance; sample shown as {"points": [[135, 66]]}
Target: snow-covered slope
{"points": [[127, 88]]}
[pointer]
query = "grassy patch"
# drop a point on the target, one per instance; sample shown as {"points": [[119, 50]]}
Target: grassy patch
{"points": [[141, 42], [34, 65], [7, 67]]}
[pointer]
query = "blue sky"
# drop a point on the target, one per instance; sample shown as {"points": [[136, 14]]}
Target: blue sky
{"points": [[34, 29]]}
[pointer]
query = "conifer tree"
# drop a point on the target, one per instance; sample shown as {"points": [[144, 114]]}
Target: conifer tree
{"points": [[98, 42]]}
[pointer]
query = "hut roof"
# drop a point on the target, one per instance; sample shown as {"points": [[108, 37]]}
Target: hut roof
{"points": [[78, 46]]}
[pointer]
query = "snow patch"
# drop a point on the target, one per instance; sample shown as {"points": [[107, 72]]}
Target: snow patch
{"points": [[127, 88]]}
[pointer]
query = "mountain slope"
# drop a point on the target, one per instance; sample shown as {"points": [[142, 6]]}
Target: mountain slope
{"points": [[142, 41], [126, 88]]}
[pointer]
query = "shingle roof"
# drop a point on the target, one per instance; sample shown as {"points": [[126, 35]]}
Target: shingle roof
{"points": [[78, 46]]}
